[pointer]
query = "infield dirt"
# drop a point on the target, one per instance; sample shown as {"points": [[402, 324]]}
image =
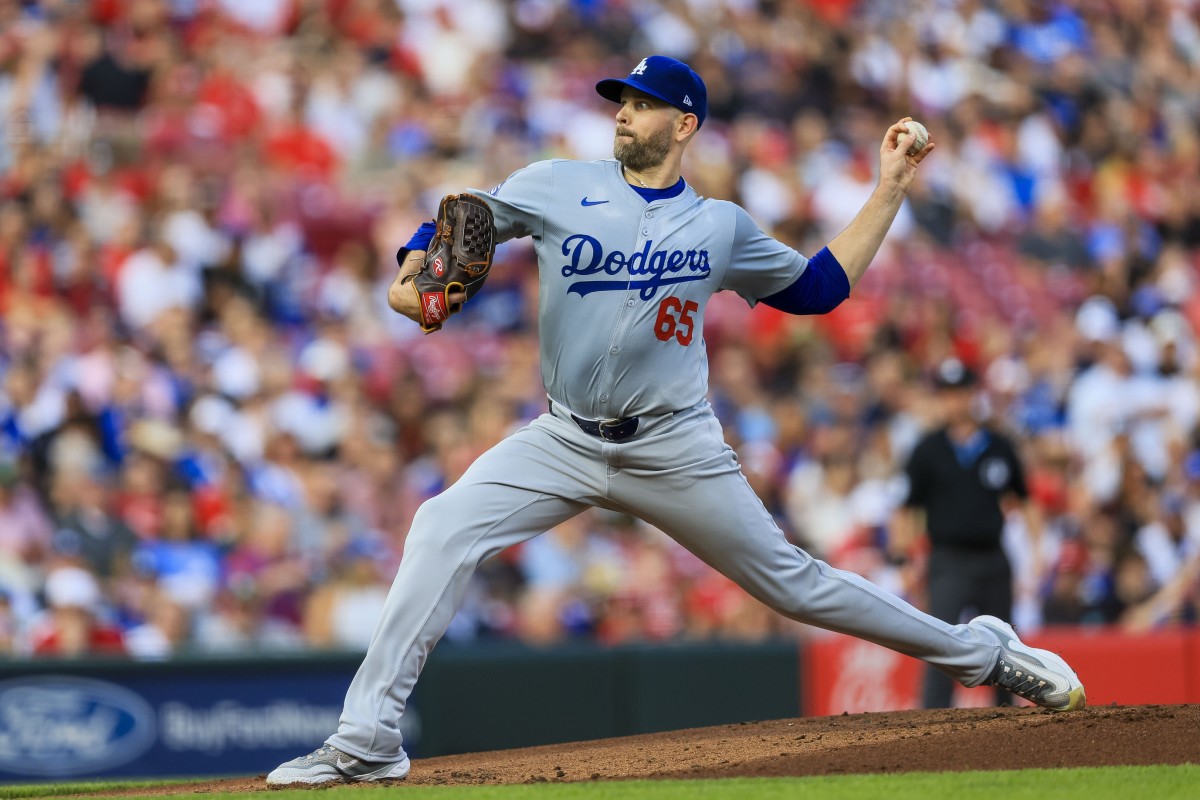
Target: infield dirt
{"points": [[902, 741]]}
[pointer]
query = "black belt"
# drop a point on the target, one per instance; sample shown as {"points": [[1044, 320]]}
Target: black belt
{"points": [[610, 430]]}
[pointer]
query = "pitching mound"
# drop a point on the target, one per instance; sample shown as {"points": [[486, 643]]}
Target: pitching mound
{"points": [[904, 741]]}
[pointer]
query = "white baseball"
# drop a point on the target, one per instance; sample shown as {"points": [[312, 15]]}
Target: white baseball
{"points": [[918, 134]]}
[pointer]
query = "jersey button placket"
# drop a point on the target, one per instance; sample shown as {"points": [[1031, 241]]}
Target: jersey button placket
{"points": [[625, 321]]}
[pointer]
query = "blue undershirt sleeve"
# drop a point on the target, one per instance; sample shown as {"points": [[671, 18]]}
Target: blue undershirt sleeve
{"points": [[424, 235], [820, 288], [419, 241]]}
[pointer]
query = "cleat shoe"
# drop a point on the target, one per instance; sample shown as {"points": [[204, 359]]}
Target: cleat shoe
{"points": [[1037, 675], [327, 764]]}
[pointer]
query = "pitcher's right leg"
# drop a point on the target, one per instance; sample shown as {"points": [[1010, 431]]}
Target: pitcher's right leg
{"points": [[686, 481]]}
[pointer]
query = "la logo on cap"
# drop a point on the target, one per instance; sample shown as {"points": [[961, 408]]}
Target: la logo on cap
{"points": [[668, 79]]}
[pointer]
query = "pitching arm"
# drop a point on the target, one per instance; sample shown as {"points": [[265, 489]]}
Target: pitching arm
{"points": [[856, 246]]}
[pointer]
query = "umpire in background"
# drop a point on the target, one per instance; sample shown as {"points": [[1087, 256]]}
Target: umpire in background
{"points": [[959, 475]]}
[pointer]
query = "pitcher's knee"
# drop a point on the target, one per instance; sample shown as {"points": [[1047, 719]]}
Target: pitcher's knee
{"points": [[440, 526], [791, 605], [799, 592], [780, 595]]}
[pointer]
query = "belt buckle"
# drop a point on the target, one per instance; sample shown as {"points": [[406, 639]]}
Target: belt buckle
{"points": [[604, 425]]}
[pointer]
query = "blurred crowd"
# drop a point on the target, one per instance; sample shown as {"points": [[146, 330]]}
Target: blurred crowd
{"points": [[213, 432]]}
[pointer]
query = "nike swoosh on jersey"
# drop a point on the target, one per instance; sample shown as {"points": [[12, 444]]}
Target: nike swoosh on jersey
{"points": [[586, 202]]}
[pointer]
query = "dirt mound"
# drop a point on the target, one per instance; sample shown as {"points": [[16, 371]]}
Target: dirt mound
{"points": [[903, 741]]}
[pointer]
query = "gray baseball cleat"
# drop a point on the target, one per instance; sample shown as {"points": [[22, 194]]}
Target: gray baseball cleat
{"points": [[327, 764], [1037, 675]]}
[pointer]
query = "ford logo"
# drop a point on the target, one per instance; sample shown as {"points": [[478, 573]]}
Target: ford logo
{"points": [[56, 726]]}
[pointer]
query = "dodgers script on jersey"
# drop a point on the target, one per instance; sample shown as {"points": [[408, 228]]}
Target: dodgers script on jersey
{"points": [[624, 284]]}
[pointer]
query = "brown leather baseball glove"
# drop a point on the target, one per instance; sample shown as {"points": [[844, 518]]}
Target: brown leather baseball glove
{"points": [[458, 258]]}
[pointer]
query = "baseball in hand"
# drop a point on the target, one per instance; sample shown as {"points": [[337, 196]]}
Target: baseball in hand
{"points": [[917, 137]]}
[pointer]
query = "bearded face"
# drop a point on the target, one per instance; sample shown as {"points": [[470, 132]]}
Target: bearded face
{"points": [[644, 152]]}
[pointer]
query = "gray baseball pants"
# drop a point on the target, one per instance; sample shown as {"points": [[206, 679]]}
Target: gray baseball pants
{"points": [[679, 476]]}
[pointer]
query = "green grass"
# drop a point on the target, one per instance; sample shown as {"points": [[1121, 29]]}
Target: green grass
{"points": [[79, 787], [1102, 783]]}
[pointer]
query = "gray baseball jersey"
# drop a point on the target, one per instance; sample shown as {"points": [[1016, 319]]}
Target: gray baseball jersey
{"points": [[624, 283]]}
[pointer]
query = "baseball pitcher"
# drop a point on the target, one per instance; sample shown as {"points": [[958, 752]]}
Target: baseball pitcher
{"points": [[628, 256]]}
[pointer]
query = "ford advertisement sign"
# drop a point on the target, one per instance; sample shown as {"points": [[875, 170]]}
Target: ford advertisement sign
{"points": [[65, 726], [129, 720]]}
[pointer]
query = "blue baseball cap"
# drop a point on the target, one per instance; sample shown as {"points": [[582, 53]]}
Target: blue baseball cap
{"points": [[668, 79]]}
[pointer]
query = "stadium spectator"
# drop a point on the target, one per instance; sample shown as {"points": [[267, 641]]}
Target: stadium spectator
{"points": [[73, 623]]}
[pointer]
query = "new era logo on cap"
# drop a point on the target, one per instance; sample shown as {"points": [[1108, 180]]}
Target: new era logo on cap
{"points": [[668, 79]]}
